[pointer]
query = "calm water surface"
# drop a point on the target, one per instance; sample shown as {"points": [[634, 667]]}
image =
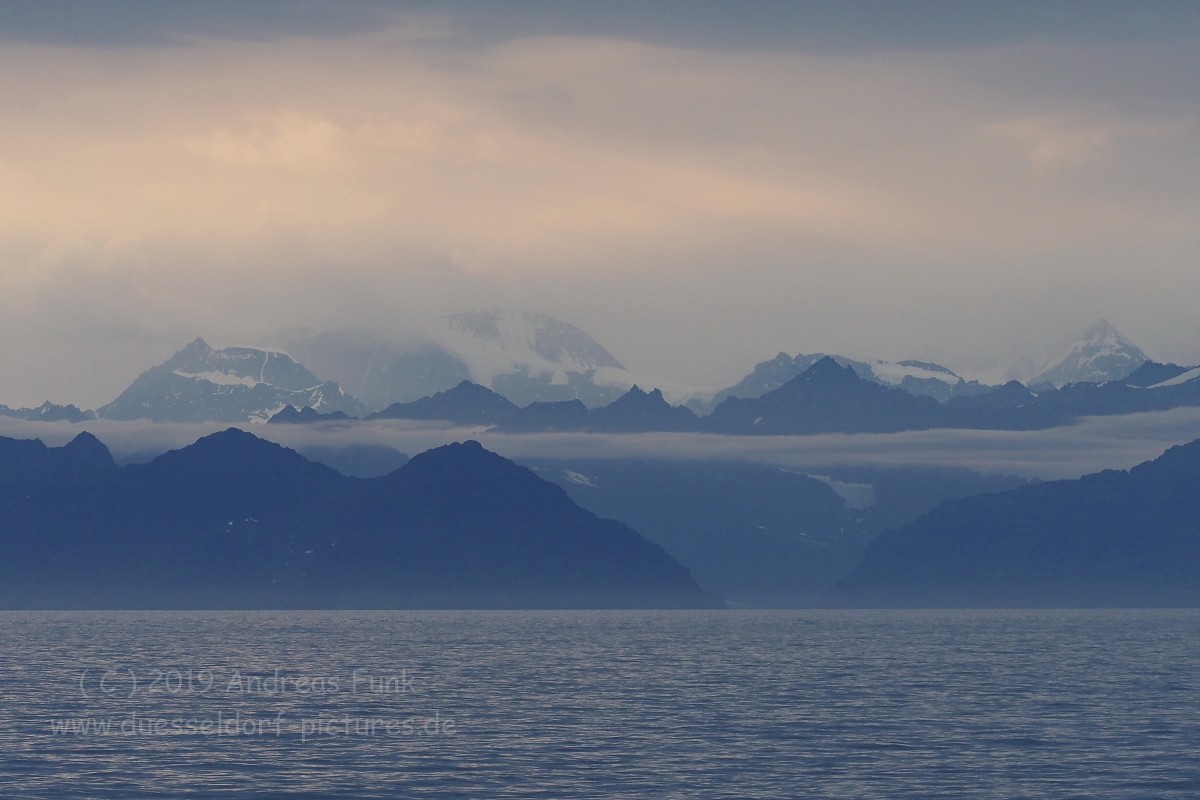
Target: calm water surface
{"points": [[737, 704]]}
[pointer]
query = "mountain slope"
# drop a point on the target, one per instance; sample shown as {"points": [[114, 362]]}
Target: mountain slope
{"points": [[236, 384], [1107, 539]]}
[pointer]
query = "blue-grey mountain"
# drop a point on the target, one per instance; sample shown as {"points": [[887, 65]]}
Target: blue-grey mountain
{"points": [[48, 412], [1113, 538], [235, 521], [636, 411], [235, 384], [827, 397], [466, 404]]}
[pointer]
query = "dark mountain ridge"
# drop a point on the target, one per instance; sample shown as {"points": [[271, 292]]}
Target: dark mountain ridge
{"points": [[1112, 538], [233, 521], [826, 397], [466, 404]]}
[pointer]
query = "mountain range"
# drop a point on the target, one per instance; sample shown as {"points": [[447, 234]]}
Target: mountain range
{"points": [[48, 412], [826, 398], [233, 521], [535, 373]]}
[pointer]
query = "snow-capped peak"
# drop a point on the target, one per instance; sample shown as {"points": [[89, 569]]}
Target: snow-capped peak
{"points": [[233, 384], [1103, 353]]}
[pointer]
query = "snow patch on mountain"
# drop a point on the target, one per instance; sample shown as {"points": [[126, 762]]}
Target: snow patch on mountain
{"points": [[219, 378], [893, 373], [578, 478], [1186, 377]]}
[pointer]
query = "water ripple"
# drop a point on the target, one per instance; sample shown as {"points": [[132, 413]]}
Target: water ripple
{"points": [[745, 704]]}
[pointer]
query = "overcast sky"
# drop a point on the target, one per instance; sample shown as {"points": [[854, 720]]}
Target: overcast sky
{"points": [[698, 185]]}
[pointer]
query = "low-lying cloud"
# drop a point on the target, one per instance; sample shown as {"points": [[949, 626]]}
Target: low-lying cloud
{"points": [[1094, 444]]}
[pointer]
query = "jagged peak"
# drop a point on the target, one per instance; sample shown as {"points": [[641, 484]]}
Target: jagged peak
{"points": [[637, 395], [828, 366], [1102, 354]]}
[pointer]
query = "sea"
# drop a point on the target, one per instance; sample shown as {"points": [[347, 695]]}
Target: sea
{"points": [[582, 704]]}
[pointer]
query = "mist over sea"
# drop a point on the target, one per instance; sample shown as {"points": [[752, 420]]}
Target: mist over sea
{"points": [[737, 704]]}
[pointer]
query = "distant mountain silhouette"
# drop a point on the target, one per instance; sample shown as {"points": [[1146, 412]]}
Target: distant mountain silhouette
{"points": [[235, 521], [923, 378], [48, 412], [637, 411], [561, 416], [826, 397], [466, 404], [767, 376], [1108, 539], [290, 415], [1152, 387], [235, 384]]}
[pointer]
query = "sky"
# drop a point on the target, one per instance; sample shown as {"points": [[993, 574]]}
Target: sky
{"points": [[698, 185]]}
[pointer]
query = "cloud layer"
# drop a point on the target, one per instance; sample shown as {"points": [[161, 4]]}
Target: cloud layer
{"points": [[1094, 444]]}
